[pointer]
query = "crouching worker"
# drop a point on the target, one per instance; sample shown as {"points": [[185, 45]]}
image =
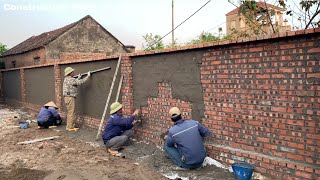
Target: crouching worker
{"points": [[49, 116], [118, 129], [184, 142]]}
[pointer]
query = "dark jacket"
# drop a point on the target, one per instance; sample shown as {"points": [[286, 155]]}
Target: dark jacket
{"points": [[188, 135], [116, 125], [47, 113]]}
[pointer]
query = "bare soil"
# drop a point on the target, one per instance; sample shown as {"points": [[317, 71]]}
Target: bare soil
{"points": [[64, 158]]}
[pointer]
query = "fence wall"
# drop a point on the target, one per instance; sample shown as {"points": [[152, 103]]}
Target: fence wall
{"points": [[260, 96]]}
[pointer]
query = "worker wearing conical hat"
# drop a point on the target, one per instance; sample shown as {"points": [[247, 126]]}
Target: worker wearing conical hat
{"points": [[49, 116], [70, 91]]}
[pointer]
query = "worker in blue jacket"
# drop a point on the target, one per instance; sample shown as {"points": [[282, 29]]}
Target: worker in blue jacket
{"points": [[184, 142], [118, 129], [49, 116]]}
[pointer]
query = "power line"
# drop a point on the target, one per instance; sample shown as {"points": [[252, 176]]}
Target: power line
{"points": [[179, 25]]}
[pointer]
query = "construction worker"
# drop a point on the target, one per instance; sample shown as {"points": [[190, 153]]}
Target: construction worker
{"points": [[48, 116], [118, 129], [184, 142], [70, 91]]}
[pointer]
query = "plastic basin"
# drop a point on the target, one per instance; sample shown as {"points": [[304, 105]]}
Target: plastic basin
{"points": [[243, 170]]}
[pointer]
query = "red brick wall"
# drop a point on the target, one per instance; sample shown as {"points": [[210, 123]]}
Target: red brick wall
{"points": [[155, 117], [263, 98], [26, 59]]}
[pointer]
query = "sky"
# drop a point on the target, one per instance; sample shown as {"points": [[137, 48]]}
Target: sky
{"points": [[128, 20]]}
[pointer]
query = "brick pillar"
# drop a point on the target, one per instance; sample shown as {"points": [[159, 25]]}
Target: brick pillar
{"points": [[127, 85], [57, 85], [23, 86]]}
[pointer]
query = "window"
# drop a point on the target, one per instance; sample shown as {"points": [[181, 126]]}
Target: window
{"points": [[242, 23], [13, 64], [36, 60], [233, 24]]}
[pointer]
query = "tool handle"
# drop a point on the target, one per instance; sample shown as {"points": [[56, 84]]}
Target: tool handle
{"points": [[94, 71]]}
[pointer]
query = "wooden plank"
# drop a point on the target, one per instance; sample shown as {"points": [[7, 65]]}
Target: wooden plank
{"points": [[38, 140]]}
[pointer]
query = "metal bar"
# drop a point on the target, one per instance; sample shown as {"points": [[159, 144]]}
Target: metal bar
{"points": [[94, 71]]}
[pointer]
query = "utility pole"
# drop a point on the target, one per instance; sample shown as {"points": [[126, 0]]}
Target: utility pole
{"points": [[172, 25]]}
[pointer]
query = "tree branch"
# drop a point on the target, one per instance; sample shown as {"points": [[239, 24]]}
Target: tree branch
{"points": [[314, 15], [269, 17]]}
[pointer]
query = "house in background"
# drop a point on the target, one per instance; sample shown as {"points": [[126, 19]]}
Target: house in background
{"points": [[236, 21], [84, 39]]}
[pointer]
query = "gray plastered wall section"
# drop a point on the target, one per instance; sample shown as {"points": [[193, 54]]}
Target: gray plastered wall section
{"points": [[12, 85], [93, 94], [40, 85], [180, 69]]}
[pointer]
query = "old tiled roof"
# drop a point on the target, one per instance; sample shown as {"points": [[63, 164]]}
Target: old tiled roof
{"points": [[43, 39], [261, 4], [35, 42]]}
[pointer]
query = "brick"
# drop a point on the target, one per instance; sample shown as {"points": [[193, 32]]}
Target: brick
{"points": [[295, 145], [286, 70], [278, 76], [257, 49], [264, 76], [295, 157], [313, 75], [263, 139], [314, 50], [304, 175]]}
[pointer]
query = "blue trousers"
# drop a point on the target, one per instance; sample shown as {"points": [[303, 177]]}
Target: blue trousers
{"points": [[176, 157]]}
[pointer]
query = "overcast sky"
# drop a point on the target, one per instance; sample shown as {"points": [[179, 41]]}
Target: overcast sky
{"points": [[128, 20]]}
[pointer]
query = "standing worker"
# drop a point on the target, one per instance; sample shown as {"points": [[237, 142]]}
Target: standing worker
{"points": [[184, 142], [70, 91]]}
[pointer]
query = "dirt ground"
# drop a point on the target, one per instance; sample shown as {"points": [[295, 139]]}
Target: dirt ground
{"points": [[77, 156]]}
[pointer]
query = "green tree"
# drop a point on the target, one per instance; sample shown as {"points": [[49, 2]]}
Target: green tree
{"points": [[152, 42], [204, 37], [3, 49]]}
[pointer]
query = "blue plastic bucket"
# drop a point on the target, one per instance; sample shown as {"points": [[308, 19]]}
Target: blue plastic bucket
{"points": [[23, 125], [243, 170]]}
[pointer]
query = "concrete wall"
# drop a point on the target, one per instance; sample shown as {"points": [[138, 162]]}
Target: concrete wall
{"points": [[93, 94], [40, 85], [86, 36], [25, 59], [11, 85], [180, 69]]}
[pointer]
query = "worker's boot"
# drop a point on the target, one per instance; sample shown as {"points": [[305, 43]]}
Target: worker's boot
{"points": [[114, 152], [72, 129]]}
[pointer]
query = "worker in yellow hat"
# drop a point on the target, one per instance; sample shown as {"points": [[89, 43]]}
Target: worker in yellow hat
{"points": [[70, 91], [184, 142], [118, 129], [49, 116]]}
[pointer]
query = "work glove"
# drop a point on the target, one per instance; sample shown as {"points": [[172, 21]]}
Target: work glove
{"points": [[89, 74]]}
